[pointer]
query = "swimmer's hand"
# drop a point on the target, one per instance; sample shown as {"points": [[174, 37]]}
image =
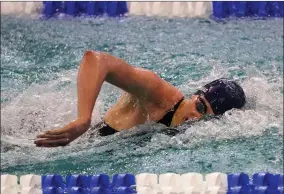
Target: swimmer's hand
{"points": [[62, 136]]}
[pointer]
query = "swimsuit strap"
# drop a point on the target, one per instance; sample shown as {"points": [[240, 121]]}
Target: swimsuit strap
{"points": [[106, 130], [167, 119]]}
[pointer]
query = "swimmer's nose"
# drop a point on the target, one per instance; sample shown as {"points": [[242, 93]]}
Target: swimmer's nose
{"points": [[194, 115]]}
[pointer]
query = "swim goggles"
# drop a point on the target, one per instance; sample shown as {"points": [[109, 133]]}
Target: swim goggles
{"points": [[201, 106]]}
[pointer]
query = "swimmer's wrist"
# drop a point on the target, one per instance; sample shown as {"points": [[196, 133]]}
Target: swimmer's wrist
{"points": [[84, 123]]}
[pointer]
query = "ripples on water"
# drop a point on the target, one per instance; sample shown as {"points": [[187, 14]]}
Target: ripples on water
{"points": [[39, 61]]}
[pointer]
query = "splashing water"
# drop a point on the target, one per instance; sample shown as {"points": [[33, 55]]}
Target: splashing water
{"points": [[39, 62]]}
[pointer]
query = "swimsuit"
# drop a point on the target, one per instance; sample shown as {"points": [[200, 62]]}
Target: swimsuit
{"points": [[166, 120]]}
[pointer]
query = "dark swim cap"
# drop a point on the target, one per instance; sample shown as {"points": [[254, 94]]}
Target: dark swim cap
{"points": [[223, 95]]}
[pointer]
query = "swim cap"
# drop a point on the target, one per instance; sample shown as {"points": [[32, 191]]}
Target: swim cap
{"points": [[223, 95]]}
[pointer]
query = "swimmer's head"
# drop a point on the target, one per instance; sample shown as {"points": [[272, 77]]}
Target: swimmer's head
{"points": [[222, 95], [215, 98]]}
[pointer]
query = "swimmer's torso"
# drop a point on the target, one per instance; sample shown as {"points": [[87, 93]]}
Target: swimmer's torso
{"points": [[129, 111]]}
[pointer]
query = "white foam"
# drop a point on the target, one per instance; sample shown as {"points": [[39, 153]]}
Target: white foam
{"points": [[39, 108]]}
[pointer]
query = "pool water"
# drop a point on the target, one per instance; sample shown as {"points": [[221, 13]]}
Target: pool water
{"points": [[39, 63]]}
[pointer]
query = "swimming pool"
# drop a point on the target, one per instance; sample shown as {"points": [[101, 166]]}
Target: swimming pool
{"points": [[39, 61]]}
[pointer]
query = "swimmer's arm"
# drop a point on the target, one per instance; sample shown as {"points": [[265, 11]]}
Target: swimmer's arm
{"points": [[98, 67], [95, 68]]}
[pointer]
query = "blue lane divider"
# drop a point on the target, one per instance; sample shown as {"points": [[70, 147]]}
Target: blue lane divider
{"points": [[77, 190], [265, 190], [54, 181], [247, 9], [238, 183], [100, 180], [96, 8], [267, 183], [81, 181], [280, 190], [280, 180], [124, 190], [261, 178], [52, 190], [99, 190], [238, 179], [89, 8], [84, 184], [123, 180]]}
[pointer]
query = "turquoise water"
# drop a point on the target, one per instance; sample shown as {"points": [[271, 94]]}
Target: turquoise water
{"points": [[39, 62]]}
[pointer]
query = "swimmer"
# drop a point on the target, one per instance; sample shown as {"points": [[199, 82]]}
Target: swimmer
{"points": [[146, 97]]}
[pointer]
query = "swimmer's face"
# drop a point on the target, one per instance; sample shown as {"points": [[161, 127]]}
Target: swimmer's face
{"points": [[198, 108]]}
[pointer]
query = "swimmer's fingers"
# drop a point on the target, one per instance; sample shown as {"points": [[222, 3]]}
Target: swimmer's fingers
{"points": [[51, 136], [56, 131], [44, 142], [72, 126]]}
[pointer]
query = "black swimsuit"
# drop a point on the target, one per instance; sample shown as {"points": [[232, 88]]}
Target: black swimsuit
{"points": [[106, 130], [166, 120]]}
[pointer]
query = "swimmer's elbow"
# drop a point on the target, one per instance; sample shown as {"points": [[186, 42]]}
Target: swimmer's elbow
{"points": [[110, 65], [95, 58], [91, 55]]}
